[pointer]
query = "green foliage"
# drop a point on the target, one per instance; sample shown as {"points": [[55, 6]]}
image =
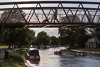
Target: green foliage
{"points": [[3, 47], [54, 40], [43, 38], [62, 32], [18, 36], [1, 34], [64, 40], [81, 40], [16, 60], [9, 36], [72, 36], [65, 36], [24, 36], [33, 32]]}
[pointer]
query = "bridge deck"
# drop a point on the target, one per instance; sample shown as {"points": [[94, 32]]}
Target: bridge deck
{"points": [[61, 25]]}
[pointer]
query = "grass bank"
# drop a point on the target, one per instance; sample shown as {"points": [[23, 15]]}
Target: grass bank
{"points": [[15, 60], [3, 47]]}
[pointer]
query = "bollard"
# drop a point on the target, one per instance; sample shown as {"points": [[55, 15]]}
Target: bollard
{"points": [[6, 55]]}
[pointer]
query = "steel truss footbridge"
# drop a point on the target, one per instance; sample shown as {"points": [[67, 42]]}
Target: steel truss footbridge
{"points": [[60, 14]]}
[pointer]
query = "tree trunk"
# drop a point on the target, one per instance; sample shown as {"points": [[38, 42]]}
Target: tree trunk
{"points": [[9, 46]]}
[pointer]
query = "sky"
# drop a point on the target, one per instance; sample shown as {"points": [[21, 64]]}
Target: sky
{"points": [[50, 31], [48, 0]]}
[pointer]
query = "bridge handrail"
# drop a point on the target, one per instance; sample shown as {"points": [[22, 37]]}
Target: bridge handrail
{"points": [[1, 9], [31, 2]]}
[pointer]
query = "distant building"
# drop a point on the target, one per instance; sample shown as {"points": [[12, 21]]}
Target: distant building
{"points": [[65, 19], [94, 42]]}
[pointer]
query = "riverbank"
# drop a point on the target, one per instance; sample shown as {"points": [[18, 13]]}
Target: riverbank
{"points": [[2, 54], [15, 59], [87, 50]]}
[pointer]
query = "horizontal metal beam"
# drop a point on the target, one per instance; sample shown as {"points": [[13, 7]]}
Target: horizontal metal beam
{"points": [[34, 2], [18, 25], [27, 8]]}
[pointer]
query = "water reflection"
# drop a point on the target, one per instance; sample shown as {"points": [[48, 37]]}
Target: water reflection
{"points": [[33, 63], [67, 59]]}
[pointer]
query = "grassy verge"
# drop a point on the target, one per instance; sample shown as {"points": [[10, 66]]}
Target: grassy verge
{"points": [[15, 60], [3, 47]]}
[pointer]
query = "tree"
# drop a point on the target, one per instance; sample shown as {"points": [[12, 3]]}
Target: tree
{"points": [[9, 36], [65, 36], [62, 32], [81, 40], [1, 34], [77, 32], [66, 33], [72, 36], [24, 36], [18, 36], [43, 38], [79, 36], [54, 40], [33, 32]]}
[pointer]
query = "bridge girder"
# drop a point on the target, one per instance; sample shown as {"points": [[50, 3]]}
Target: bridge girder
{"points": [[48, 25], [79, 16]]}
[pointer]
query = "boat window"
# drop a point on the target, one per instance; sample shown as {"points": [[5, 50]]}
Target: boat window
{"points": [[34, 53]]}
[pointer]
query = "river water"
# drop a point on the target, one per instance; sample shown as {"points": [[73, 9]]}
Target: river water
{"points": [[68, 59]]}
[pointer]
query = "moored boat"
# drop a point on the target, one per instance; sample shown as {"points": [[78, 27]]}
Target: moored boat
{"points": [[32, 54]]}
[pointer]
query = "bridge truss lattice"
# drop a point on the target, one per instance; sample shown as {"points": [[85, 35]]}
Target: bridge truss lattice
{"points": [[51, 14]]}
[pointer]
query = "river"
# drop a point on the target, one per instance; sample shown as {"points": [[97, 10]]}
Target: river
{"points": [[68, 59]]}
